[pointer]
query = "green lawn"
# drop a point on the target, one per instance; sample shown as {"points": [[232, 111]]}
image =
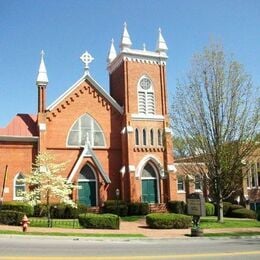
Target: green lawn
{"points": [[211, 222], [206, 222], [132, 218]]}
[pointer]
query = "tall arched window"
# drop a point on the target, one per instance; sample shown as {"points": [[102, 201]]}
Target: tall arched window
{"points": [[144, 137], [85, 128], [151, 137], [137, 137], [145, 96], [19, 186], [159, 137]]}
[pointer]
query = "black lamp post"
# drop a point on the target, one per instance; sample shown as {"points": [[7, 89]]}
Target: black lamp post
{"points": [[117, 198]]}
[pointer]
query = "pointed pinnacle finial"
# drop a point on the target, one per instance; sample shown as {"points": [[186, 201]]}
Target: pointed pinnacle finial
{"points": [[161, 45], [125, 40], [112, 52], [42, 78]]}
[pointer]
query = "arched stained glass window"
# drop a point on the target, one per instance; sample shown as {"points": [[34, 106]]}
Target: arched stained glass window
{"points": [[151, 137], [159, 137], [144, 137], [148, 172], [87, 173], [85, 128], [19, 186], [137, 137]]}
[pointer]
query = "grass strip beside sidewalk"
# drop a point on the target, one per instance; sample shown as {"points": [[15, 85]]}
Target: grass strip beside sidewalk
{"points": [[233, 234], [38, 233]]}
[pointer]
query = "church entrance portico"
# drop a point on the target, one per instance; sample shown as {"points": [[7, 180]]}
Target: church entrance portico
{"points": [[150, 184], [87, 182]]}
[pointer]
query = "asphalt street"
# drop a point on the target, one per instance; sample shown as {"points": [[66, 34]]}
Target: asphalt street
{"points": [[27, 248]]}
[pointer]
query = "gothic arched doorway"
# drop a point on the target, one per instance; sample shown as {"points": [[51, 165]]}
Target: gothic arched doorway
{"points": [[149, 184], [87, 194]]}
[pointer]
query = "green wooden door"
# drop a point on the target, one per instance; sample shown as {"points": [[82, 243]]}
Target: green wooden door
{"points": [[87, 193], [149, 190]]}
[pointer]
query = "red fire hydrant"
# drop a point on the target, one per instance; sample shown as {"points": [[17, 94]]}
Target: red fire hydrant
{"points": [[25, 221]]}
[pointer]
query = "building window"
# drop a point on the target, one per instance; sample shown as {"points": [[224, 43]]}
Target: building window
{"points": [[137, 137], [253, 175], [258, 173], [151, 137], [19, 186], [145, 97], [198, 182], [86, 128], [159, 137], [144, 137], [181, 183]]}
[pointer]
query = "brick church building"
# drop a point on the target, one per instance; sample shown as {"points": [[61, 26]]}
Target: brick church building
{"points": [[117, 140]]}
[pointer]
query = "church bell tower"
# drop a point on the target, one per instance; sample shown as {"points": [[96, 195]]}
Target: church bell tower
{"points": [[138, 83]]}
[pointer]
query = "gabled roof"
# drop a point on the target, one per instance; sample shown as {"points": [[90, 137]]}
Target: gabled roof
{"points": [[22, 125], [95, 85], [88, 152]]}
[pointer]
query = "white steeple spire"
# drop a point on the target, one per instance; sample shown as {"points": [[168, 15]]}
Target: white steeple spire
{"points": [[161, 46], [42, 78], [125, 40], [112, 52]]}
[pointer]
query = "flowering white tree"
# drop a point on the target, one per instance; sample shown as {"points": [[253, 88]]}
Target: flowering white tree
{"points": [[46, 184]]}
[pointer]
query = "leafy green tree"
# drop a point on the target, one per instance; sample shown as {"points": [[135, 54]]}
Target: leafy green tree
{"points": [[46, 184], [216, 117]]}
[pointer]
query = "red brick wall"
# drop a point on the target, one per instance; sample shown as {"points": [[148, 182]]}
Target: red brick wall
{"points": [[19, 158]]}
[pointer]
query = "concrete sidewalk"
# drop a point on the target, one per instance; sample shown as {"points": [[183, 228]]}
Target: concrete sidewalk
{"points": [[136, 227]]}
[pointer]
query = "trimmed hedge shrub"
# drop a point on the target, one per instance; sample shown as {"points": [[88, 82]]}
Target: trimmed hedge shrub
{"points": [[178, 207], [99, 221], [60, 211], [138, 208], [168, 220], [232, 208], [115, 207], [11, 217], [19, 207], [226, 206], [243, 213], [210, 209]]}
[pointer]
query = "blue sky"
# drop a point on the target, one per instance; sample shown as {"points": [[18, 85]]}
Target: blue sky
{"points": [[65, 29]]}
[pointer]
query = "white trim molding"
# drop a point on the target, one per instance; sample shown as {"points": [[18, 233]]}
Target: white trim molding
{"points": [[143, 162], [128, 129], [15, 138], [145, 117]]}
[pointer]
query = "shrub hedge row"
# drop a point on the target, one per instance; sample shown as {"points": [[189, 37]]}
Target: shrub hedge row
{"points": [[243, 213], [176, 206], [122, 208], [18, 206], [210, 209], [60, 211], [168, 221], [11, 217], [99, 221]]}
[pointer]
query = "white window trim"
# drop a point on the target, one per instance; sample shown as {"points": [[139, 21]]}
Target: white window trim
{"points": [[92, 133], [183, 182], [14, 186]]}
